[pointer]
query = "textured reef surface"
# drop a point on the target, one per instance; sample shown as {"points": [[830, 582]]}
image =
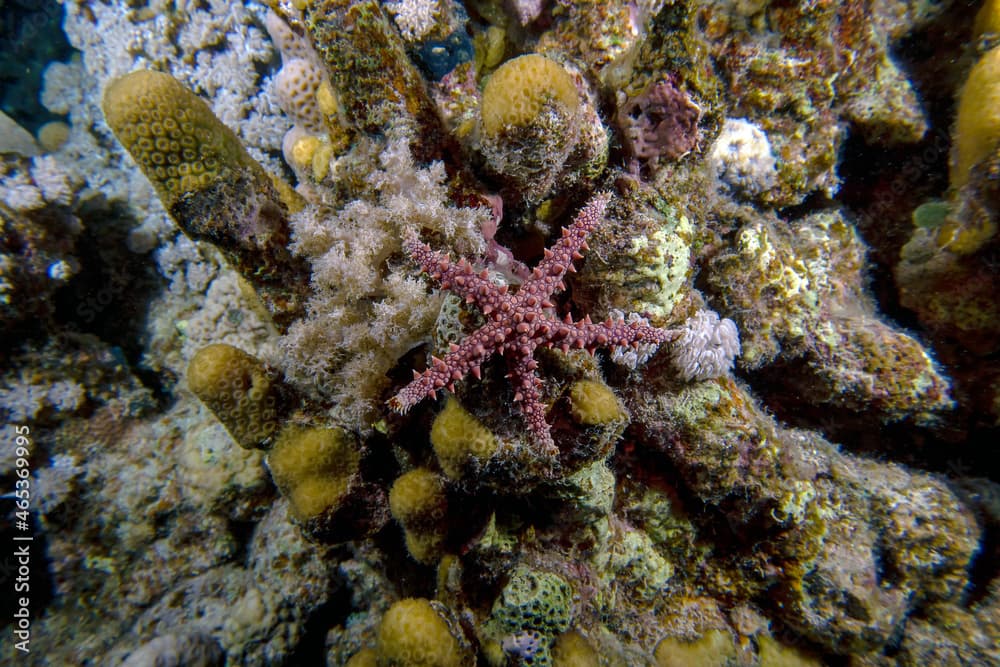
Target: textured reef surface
{"points": [[433, 333]]}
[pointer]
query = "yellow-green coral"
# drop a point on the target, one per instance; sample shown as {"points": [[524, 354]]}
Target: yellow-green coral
{"points": [[977, 123], [988, 19], [593, 403], [535, 131], [210, 184], [313, 468], [417, 497], [366, 657], [714, 648], [573, 650], [174, 136], [414, 634], [417, 501], [775, 654], [533, 600], [241, 391], [520, 90], [460, 440]]}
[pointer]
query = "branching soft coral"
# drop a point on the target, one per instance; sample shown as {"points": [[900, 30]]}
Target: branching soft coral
{"points": [[363, 317]]}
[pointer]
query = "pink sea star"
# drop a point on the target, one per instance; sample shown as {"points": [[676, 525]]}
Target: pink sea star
{"points": [[519, 322]]}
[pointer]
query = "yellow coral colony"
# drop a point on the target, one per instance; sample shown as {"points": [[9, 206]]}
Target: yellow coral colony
{"points": [[459, 440], [240, 390], [413, 634], [977, 126], [593, 403], [178, 142], [313, 468], [210, 185], [519, 90], [417, 501]]}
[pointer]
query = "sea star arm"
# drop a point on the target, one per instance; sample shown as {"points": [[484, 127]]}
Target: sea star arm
{"points": [[458, 277], [526, 392], [547, 277], [463, 359], [620, 334]]}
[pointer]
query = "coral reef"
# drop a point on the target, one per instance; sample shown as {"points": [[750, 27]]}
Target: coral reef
{"points": [[506, 332]]}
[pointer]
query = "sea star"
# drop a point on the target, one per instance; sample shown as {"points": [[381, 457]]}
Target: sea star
{"points": [[519, 322]]}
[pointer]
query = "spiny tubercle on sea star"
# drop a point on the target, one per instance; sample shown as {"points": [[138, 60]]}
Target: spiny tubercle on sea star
{"points": [[519, 322]]}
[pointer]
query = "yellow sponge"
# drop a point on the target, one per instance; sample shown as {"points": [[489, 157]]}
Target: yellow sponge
{"points": [[459, 440], [414, 634], [172, 133], [521, 88], [313, 468], [241, 391]]}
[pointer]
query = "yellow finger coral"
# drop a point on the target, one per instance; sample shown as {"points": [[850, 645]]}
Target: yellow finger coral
{"points": [[977, 125], [243, 393], [172, 133], [988, 19], [210, 185], [417, 497]]}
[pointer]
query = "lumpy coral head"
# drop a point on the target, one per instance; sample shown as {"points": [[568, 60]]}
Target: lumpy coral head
{"points": [[414, 634], [977, 125], [521, 88], [314, 468]]}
